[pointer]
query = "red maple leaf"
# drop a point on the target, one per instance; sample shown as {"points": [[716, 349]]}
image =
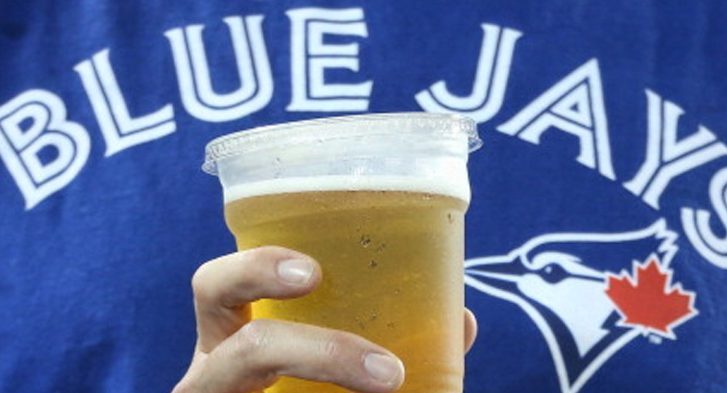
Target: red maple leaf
{"points": [[649, 301]]}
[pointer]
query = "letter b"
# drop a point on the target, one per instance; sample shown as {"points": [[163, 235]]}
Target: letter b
{"points": [[42, 149]]}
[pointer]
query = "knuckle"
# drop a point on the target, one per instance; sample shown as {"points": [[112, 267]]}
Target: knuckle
{"points": [[245, 284], [335, 344], [254, 336], [250, 265]]}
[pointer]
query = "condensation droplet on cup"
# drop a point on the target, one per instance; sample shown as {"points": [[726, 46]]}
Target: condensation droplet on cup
{"points": [[373, 264], [365, 241]]}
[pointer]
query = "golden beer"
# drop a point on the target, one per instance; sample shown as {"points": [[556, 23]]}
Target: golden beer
{"points": [[379, 201], [392, 273]]}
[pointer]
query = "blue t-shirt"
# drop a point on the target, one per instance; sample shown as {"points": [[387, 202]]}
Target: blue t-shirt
{"points": [[596, 253]]}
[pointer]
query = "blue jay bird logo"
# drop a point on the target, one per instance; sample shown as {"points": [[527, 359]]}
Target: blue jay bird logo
{"points": [[577, 290]]}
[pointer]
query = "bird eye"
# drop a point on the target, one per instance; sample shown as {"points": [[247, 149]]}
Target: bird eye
{"points": [[553, 272]]}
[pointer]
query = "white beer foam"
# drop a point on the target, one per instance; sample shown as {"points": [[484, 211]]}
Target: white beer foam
{"points": [[454, 187]]}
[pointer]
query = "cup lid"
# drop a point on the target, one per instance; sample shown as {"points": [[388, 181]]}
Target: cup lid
{"points": [[317, 131]]}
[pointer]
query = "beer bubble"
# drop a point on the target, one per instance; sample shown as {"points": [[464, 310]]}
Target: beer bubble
{"points": [[360, 323], [365, 241], [397, 292], [450, 218], [391, 325], [373, 264]]}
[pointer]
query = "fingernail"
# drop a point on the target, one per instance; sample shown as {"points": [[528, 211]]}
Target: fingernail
{"points": [[295, 271], [384, 368]]}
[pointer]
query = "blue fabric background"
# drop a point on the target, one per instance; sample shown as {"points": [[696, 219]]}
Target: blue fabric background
{"points": [[94, 281]]}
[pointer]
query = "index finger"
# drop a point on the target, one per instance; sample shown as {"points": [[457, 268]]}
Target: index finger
{"points": [[224, 287]]}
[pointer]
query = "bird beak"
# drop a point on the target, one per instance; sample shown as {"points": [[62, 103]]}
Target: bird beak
{"points": [[503, 271]]}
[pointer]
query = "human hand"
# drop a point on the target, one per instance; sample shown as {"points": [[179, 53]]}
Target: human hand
{"points": [[236, 355]]}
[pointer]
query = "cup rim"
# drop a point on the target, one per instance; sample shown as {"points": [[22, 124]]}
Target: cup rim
{"points": [[328, 128]]}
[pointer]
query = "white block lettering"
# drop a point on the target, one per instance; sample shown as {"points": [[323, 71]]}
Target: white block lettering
{"points": [[696, 223], [311, 57], [666, 156], [119, 129], [193, 73], [31, 123], [575, 106], [488, 90]]}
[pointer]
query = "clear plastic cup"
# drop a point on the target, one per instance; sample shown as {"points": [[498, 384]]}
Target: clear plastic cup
{"points": [[379, 201]]}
